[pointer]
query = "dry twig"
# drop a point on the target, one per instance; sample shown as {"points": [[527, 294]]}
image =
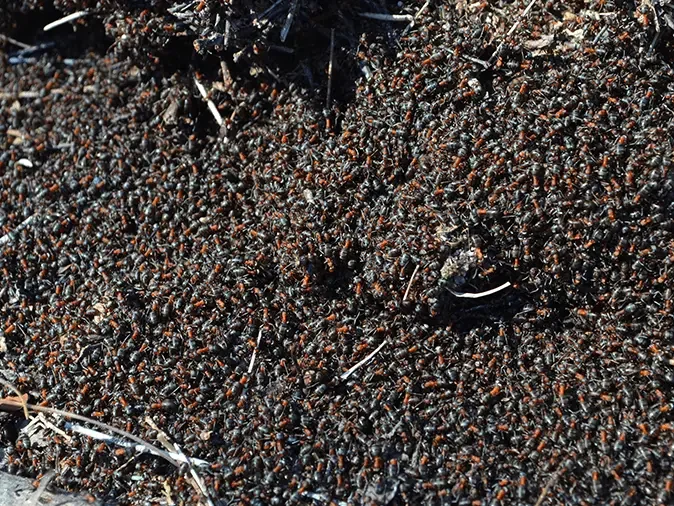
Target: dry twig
{"points": [[511, 31], [173, 448], [409, 285], [10, 402]]}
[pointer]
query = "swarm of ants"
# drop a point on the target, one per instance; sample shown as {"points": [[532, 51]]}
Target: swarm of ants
{"points": [[349, 253]]}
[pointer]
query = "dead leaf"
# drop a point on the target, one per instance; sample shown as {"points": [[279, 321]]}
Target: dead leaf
{"points": [[101, 310], [170, 115], [576, 34], [543, 42]]}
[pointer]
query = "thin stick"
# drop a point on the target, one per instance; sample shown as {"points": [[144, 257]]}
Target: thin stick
{"points": [[267, 11], [407, 18], [120, 432], [182, 7], [127, 463], [485, 64], [289, 20], [257, 345], [362, 362], [10, 236], [226, 75], [209, 102], [600, 34], [550, 483], [65, 19], [421, 11], [511, 31], [161, 435], [332, 57], [198, 483], [322, 498], [409, 285], [478, 295], [18, 43], [21, 94], [24, 404], [200, 87], [167, 493], [416, 16], [228, 28], [517, 23], [35, 499], [101, 436], [36, 94], [215, 112]]}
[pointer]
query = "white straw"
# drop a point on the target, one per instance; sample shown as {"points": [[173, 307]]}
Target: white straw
{"points": [[362, 362], [65, 19], [477, 295], [8, 237], [101, 436], [387, 17], [252, 359], [211, 105]]}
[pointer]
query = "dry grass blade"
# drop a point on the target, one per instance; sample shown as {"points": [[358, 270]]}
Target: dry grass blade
{"points": [[10, 236], [43, 409], [65, 19], [257, 346], [466, 295], [10, 403], [198, 483], [15, 42], [101, 436], [409, 285], [406, 18], [511, 31], [362, 362], [211, 105], [172, 447]]}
